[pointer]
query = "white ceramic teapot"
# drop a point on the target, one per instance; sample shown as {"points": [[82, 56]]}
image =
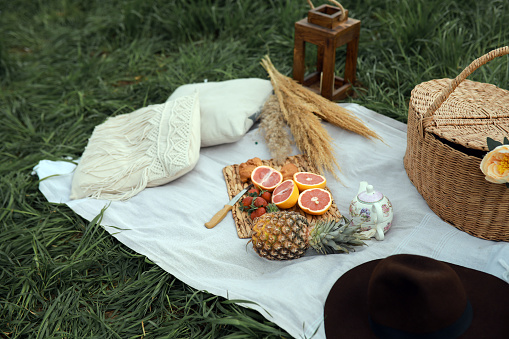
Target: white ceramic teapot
{"points": [[371, 210]]}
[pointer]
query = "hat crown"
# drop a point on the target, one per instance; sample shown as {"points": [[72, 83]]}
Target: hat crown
{"points": [[360, 306], [415, 294]]}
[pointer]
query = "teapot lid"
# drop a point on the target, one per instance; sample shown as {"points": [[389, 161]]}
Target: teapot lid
{"points": [[370, 195]]}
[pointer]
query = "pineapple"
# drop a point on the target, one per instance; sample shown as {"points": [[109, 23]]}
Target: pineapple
{"points": [[287, 235]]}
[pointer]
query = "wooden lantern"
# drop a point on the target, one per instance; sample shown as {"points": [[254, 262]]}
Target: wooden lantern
{"points": [[327, 27]]}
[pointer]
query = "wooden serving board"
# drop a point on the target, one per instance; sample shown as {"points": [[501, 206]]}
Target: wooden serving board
{"points": [[233, 184]]}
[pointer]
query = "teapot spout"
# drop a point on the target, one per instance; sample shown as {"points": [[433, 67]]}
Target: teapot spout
{"points": [[362, 186]]}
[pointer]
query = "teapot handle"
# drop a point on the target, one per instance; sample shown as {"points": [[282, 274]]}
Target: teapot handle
{"points": [[377, 213]]}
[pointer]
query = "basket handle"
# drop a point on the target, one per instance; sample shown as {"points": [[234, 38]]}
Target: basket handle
{"points": [[427, 118], [341, 8]]}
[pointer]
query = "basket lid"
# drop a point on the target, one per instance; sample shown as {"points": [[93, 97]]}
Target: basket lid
{"points": [[471, 113]]}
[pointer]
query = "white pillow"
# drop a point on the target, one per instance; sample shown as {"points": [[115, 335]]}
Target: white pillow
{"points": [[148, 147], [228, 108]]}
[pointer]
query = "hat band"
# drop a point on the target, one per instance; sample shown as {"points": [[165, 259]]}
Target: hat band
{"points": [[451, 331]]}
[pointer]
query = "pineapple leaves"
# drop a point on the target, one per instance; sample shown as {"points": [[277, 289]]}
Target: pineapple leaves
{"points": [[335, 236]]}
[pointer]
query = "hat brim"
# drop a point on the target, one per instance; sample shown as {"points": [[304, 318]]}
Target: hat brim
{"points": [[346, 307]]}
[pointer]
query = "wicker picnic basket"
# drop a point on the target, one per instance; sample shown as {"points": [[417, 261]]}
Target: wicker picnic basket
{"points": [[448, 123]]}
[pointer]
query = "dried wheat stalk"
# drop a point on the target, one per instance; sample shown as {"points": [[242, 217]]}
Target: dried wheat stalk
{"points": [[310, 136], [323, 107], [275, 130], [326, 109]]}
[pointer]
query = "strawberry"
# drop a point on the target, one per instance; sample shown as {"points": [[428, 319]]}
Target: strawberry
{"points": [[246, 203], [254, 192], [257, 212], [260, 202], [266, 195]]}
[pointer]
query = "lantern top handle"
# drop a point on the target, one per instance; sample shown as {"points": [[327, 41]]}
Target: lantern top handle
{"points": [[343, 14]]}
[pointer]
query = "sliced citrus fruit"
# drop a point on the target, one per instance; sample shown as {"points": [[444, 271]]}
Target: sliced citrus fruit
{"points": [[286, 194], [315, 201], [307, 180], [266, 178]]}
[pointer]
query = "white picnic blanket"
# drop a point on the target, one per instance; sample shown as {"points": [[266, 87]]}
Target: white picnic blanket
{"points": [[166, 224]]}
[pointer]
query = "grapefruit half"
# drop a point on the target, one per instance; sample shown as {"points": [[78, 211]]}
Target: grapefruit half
{"points": [[286, 194], [308, 180], [266, 178], [315, 201]]}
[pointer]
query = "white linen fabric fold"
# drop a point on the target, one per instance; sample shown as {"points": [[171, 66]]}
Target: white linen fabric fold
{"points": [[166, 224]]}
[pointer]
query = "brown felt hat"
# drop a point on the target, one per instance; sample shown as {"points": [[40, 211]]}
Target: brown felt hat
{"points": [[412, 296]]}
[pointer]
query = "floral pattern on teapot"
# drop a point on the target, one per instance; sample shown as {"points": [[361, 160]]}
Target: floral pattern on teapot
{"points": [[364, 214], [386, 208]]}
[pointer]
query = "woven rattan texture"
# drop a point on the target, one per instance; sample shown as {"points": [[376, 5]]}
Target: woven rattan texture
{"points": [[242, 220], [454, 187], [448, 123], [471, 113]]}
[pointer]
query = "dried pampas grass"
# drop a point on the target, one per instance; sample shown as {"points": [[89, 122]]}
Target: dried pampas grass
{"points": [[275, 130]]}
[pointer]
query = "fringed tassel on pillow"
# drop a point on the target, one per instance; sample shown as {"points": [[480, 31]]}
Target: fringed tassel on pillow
{"points": [[145, 148]]}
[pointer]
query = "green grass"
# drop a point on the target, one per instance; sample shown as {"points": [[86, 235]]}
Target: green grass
{"points": [[67, 65]]}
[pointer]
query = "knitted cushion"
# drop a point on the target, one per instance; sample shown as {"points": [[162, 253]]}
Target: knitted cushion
{"points": [[148, 147]]}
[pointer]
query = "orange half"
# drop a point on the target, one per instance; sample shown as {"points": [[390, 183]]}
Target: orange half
{"points": [[315, 201], [308, 180], [266, 178], [286, 194]]}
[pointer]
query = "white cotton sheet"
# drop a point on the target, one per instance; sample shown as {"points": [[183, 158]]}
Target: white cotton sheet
{"points": [[166, 224]]}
